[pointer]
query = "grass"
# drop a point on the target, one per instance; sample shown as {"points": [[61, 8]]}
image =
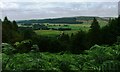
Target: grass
{"points": [[54, 32], [72, 26], [48, 32], [75, 28]]}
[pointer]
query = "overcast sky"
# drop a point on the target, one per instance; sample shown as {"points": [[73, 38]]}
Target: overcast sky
{"points": [[39, 10]]}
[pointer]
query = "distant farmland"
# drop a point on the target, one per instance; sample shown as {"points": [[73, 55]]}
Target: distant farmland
{"points": [[74, 28], [73, 23]]}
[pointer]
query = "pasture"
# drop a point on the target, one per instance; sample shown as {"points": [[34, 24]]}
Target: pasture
{"points": [[54, 32], [74, 28]]}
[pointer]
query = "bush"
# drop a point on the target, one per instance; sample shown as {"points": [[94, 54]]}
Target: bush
{"points": [[8, 49], [24, 46], [64, 66], [97, 59], [110, 66]]}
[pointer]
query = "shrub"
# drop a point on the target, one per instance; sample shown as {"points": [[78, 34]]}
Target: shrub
{"points": [[64, 66], [24, 46], [110, 66], [7, 48]]}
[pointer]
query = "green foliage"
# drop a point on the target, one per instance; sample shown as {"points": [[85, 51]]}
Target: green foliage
{"points": [[95, 26], [6, 32], [70, 20], [24, 46], [64, 40], [8, 49], [78, 42], [5, 60], [10, 32], [94, 33], [98, 58], [110, 66], [101, 56], [15, 26], [28, 34], [64, 66], [35, 48], [110, 33]]}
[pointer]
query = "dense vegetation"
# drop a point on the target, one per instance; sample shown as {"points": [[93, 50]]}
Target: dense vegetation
{"points": [[65, 52], [97, 58], [75, 43], [56, 20]]}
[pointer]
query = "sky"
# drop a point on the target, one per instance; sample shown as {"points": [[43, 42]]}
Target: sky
{"points": [[39, 9]]}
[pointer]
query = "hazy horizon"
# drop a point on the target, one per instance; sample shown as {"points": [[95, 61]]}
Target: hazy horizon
{"points": [[44, 10]]}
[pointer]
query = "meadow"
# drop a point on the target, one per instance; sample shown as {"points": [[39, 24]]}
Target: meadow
{"points": [[74, 28]]}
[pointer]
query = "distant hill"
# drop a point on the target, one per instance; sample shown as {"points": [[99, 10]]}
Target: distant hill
{"points": [[67, 20]]}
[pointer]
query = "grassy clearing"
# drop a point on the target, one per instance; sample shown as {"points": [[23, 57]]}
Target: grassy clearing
{"points": [[72, 26], [54, 32], [48, 32], [75, 28]]}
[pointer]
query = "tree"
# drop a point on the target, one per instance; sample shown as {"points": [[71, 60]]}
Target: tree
{"points": [[10, 32], [15, 26], [28, 33], [94, 32], [79, 42], [95, 25], [111, 31], [64, 40], [6, 30]]}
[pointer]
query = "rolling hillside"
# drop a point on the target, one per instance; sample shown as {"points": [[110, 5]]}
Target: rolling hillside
{"points": [[64, 20]]}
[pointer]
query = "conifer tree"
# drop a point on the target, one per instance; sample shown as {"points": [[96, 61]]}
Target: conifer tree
{"points": [[94, 32], [14, 26]]}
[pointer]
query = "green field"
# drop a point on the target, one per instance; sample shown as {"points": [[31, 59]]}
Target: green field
{"points": [[74, 28], [54, 32]]}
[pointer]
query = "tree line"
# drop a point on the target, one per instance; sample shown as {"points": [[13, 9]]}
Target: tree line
{"points": [[71, 20], [76, 43]]}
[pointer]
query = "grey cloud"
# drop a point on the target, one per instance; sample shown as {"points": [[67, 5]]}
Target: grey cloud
{"points": [[29, 10]]}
